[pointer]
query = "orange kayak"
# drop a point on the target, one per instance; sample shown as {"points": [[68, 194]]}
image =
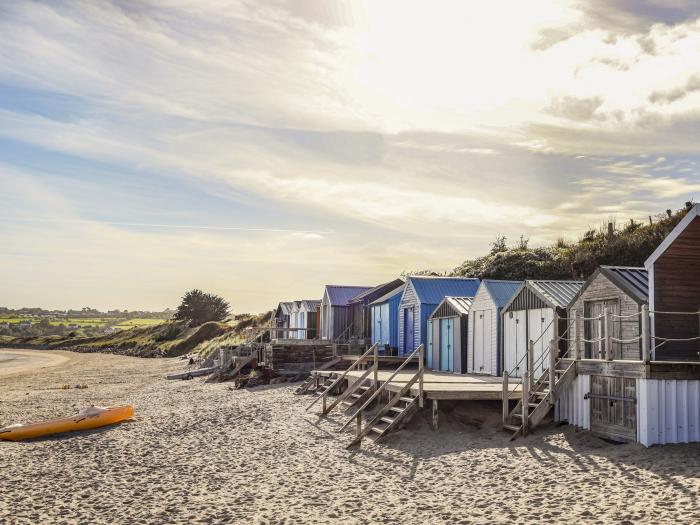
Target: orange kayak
{"points": [[93, 417]]}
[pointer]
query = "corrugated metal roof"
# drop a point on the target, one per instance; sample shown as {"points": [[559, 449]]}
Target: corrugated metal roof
{"points": [[633, 281], [285, 307], [373, 293], [452, 306], [384, 298], [340, 295], [432, 290], [296, 305], [461, 304], [501, 291], [310, 305], [557, 293]]}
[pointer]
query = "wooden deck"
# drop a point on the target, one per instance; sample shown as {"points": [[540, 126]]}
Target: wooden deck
{"points": [[438, 385], [397, 359]]}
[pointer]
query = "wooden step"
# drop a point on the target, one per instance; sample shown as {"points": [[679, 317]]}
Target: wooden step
{"points": [[511, 427], [387, 419], [379, 429], [397, 409], [356, 395], [407, 399]]}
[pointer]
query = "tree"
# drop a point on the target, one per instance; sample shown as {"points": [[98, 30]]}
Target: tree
{"points": [[198, 308]]}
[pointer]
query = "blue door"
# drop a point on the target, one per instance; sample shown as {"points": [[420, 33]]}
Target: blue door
{"points": [[408, 331], [447, 356], [429, 354]]}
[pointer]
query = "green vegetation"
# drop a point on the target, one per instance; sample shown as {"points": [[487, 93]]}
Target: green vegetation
{"points": [[198, 307], [624, 245]]}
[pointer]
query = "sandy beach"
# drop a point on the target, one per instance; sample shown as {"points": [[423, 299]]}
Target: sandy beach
{"points": [[201, 453]]}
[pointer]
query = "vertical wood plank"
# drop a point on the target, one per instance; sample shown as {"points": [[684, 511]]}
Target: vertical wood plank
{"points": [[506, 405], [435, 414]]}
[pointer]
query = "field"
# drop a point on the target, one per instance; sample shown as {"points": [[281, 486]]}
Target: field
{"points": [[85, 322]]}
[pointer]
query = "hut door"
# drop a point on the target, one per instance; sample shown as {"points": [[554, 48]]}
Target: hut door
{"points": [[408, 342], [429, 354], [594, 329], [515, 340], [614, 407], [447, 358], [541, 332], [482, 342]]}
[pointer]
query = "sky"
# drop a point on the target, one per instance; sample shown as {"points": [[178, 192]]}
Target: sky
{"points": [[262, 149]]}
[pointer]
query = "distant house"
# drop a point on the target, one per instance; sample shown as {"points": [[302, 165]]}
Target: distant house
{"points": [[674, 278], [448, 327], [485, 326], [361, 312], [420, 297], [335, 310], [529, 316], [385, 319], [622, 290]]}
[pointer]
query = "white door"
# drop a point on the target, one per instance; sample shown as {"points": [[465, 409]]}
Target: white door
{"points": [[541, 331], [515, 341], [489, 346], [482, 342]]}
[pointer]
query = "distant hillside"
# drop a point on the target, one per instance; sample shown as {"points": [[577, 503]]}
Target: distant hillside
{"points": [[626, 244], [169, 339]]}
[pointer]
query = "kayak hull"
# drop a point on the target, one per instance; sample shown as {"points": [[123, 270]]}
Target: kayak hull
{"points": [[93, 417]]}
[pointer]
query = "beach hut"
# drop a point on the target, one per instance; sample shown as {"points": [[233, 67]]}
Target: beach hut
{"points": [[529, 316], [360, 311], [335, 310], [385, 320], [281, 319], [308, 318], [420, 297], [674, 277], [484, 353], [294, 320], [447, 328], [621, 290]]}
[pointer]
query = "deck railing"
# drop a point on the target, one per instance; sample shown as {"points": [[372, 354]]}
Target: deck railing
{"points": [[355, 364], [419, 376]]}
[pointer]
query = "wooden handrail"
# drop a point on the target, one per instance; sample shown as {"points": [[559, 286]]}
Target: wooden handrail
{"points": [[419, 373], [335, 383]]}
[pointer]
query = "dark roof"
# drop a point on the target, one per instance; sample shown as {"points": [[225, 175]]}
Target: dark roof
{"points": [[384, 298], [373, 293], [341, 295], [631, 280], [285, 307], [432, 290], [501, 291]]}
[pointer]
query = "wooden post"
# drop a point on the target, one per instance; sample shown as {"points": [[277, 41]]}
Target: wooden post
{"points": [[324, 402], [608, 334], [506, 406], [435, 414], [553, 351], [421, 349], [221, 358], [358, 425], [376, 366], [525, 401], [530, 360], [646, 340]]}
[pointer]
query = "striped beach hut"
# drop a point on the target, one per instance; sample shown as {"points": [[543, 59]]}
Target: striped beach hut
{"points": [[280, 319], [448, 325], [529, 316], [308, 318], [420, 297], [485, 326], [385, 320]]}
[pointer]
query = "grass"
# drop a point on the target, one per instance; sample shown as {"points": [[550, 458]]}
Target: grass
{"points": [[96, 322]]}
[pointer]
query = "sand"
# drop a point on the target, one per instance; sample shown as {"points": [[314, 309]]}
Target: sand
{"points": [[200, 453]]}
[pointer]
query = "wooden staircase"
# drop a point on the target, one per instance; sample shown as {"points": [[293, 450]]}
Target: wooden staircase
{"points": [[311, 381], [538, 397], [396, 412]]}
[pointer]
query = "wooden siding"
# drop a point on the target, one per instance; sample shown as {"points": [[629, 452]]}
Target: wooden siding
{"points": [[601, 288], [483, 302], [410, 299], [676, 282]]}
